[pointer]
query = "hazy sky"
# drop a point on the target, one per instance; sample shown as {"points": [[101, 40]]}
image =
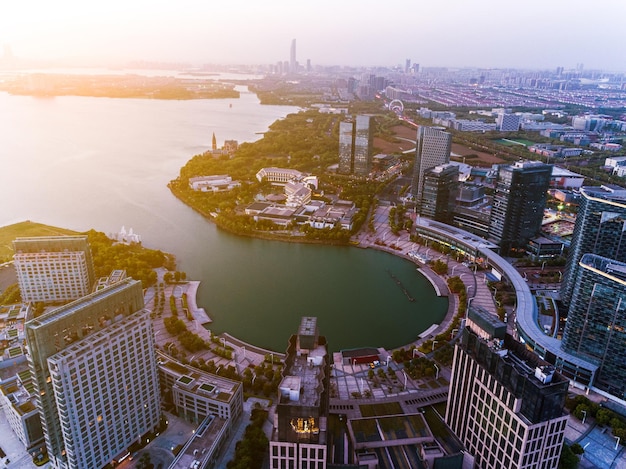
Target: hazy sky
{"points": [[484, 33]]}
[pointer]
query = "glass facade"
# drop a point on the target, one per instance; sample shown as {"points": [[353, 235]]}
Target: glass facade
{"points": [[596, 324], [518, 204], [433, 149], [599, 229]]}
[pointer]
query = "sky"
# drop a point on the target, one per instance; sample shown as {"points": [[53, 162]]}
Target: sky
{"points": [[535, 34]]}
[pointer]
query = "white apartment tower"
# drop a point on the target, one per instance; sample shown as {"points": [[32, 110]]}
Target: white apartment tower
{"points": [[95, 372], [53, 269]]}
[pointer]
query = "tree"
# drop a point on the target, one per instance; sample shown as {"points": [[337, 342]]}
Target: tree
{"points": [[568, 459]]}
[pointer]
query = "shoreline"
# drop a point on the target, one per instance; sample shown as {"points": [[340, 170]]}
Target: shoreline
{"points": [[437, 282]]}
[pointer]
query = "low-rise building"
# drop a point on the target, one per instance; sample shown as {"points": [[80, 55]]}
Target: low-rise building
{"points": [[216, 183], [17, 395], [297, 194], [196, 394]]}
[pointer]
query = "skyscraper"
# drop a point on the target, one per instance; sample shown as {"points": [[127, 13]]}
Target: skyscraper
{"points": [[355, 146], [362, 146], [505, 404], [53, 269], [518, 204], [299, 435], [438, 196], [293, 64], [600, 228], [596, 321], [95, 372], [433, 149], [346, 145]]}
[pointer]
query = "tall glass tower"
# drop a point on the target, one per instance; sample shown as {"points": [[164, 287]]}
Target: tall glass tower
{"points": [[596, 322], [433, 149], [518, 204], [362, 146], [600, 229]]}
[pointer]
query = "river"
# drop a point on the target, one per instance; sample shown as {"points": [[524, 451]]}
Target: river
{"points": [[83, 163]]}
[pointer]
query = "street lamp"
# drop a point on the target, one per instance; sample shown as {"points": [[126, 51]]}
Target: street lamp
{"points": [[414, 352], [224, 342], [404, 379], [616, 443], [437, 368], [584, 415], [454, 331], [543, 264], [434, 342]]}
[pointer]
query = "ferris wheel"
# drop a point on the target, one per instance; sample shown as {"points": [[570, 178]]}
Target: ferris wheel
{"points": [[396, 106]]}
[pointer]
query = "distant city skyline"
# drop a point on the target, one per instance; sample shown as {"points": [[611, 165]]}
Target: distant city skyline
{"points": [[484, 34]]}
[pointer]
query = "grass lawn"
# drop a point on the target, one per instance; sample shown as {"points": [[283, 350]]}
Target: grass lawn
{"points": [[24, 229], [510, 142]]}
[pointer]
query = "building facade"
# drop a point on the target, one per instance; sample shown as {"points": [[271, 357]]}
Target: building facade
{"points": [[596, 321], [439, 193], [599, 229], [363, 146], [508, 122], [299, 435], [505, 404], [91, 408], [433, 149], [355, 146], [518, 204], [54, 269], [18, 402], [346, 145]]}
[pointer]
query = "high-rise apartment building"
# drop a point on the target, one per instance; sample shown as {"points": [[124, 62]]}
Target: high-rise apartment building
{"points": [[355, 146], [600, 229], [438, 195], [53, 269], [518, 204], [433, 149], [505, 404], [95, 372], [299, 435], [596, 321]]}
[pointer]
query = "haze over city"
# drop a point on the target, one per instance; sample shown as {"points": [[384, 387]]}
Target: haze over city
{"points": [[487, 33]]}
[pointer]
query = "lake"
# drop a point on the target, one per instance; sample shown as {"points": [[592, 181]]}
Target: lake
{"points": [[83, 163]]}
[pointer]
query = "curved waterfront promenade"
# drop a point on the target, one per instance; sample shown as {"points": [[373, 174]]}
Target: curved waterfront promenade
{"points": [[479, 294]]}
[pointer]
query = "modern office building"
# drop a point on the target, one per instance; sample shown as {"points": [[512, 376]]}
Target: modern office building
{"points": [[363, 146], [53, 269], [596, 322], [299, 435], [439, 193], [355, 146], [600, 229], [95, 373], [505, 404], [432, 149], [508, 122], [518, 204], [346, 145]]}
